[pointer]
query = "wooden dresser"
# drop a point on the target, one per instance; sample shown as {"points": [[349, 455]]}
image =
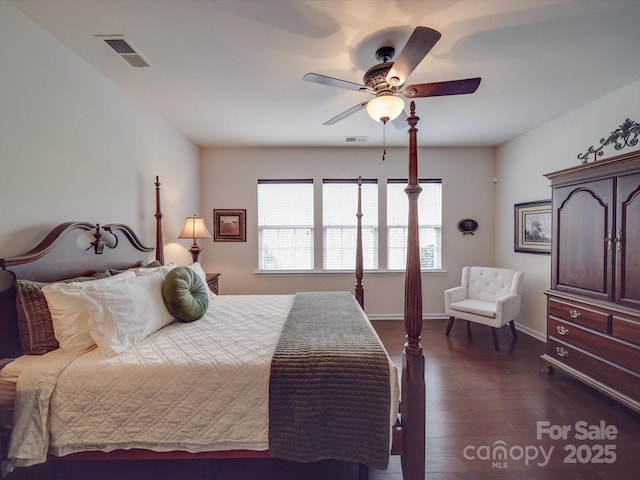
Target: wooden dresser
{"points": [[593, 306]]}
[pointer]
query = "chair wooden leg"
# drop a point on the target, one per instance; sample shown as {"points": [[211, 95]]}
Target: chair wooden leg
{"points": [[513, 329], [494, 333], [468, 327], [449, 325]]}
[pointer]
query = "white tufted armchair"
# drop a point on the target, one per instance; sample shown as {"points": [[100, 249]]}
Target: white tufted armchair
{"points": [[490, 296]]}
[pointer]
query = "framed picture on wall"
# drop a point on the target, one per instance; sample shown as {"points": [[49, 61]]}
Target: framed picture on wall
{"points": [[533, 227], [229, 225]]}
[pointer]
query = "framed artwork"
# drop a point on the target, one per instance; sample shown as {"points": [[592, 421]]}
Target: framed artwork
{"points": [[229, 225], [533, 227]]}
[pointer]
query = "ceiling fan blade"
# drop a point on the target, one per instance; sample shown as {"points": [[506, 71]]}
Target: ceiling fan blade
{"points": [[346, 113], [334, 82], [438, 89], [419, 44]]}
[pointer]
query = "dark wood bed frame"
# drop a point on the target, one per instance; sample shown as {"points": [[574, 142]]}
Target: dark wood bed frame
{"points": [[57, 256]]}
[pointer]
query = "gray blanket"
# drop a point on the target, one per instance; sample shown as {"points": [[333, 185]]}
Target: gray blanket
{"points": [[329, 394]]}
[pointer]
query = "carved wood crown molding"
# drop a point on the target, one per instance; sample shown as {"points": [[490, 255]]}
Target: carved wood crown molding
{"points": [[626, 135]]}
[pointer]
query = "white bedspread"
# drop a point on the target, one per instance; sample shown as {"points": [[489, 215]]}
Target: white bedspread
{"points": [[200, 386]]}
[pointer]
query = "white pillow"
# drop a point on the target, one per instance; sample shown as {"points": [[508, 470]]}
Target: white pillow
{"points": [[67, 304], [164, 269], [198, 269], [124, 313]]}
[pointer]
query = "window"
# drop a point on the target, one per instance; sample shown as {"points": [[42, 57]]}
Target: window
{"points": [[429, 219], [285, 224], [339, 224]]}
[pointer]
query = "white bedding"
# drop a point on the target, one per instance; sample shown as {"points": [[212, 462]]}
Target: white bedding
{"points": [[189, 402], [12, 370], [200, 386]]}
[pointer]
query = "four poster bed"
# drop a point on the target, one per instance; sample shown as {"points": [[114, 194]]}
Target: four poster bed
{"points": [[165, 380]]}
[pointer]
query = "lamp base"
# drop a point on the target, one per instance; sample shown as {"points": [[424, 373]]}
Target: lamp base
{"points": [[195, 252]]}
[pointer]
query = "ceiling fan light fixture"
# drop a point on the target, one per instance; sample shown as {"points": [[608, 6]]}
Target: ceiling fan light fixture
{"points": [[385, 108]]}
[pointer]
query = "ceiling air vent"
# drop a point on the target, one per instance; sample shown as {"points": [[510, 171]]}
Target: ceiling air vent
{"points": [[358, 139], [123, 48]]}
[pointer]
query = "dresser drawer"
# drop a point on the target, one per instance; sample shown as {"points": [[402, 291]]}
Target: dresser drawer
{"points": [[598, 345], [607, 374], [580, 314], [626, 329]]}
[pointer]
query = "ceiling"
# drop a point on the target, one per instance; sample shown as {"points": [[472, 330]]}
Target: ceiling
{"points": [[229, 73]]}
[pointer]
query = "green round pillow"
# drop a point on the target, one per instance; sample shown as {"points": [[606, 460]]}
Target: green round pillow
{"points": [[185, 294]]}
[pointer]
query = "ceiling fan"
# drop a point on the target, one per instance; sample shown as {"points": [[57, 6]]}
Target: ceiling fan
{"points": [[385, 80]]}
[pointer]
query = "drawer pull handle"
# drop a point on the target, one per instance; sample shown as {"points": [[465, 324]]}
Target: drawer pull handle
{"points": [[562, 330], [562, 352], [575, 314]]}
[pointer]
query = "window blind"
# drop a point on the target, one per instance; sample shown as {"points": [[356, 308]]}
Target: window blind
{"points": [[339, 223], [429, 219], [285, 224]]}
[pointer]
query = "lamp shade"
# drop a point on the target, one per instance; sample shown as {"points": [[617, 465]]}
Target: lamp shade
{"points": [[194, 227], [385, 108]]}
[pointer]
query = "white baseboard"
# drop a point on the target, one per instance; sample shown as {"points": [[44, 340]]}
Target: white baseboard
{"points": [[443, 316], [532, 333], [400, 316]]}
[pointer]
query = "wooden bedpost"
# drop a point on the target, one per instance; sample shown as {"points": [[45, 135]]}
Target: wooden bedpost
{"points": [[413, 384], [158, 215], [359, 267]]}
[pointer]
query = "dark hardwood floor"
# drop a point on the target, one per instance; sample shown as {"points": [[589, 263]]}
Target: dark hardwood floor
{"points": [[477, 400]]}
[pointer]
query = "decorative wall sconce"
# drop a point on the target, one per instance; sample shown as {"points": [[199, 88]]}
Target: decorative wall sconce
{"points": [[98, 238]]}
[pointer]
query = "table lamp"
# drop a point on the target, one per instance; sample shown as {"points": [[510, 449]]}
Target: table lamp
{"points": [[194, 228]]}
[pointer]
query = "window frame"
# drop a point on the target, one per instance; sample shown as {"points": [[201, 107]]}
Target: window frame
{"points": [[307, 229], [424, 229], [315, 232], [370, 243]]}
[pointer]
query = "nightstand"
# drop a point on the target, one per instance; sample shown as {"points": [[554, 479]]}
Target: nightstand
{"points": [[212, 281]]}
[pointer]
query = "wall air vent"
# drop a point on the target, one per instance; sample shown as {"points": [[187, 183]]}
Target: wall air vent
{"points": [[123, 48], [358, 139]]}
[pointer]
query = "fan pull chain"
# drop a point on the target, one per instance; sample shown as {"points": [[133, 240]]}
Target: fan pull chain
{"points": [[384, 138]]}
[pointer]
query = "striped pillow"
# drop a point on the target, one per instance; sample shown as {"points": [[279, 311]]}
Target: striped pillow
{"points": [[34, 319]]}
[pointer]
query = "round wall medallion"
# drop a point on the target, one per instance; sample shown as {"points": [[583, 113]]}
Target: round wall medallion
{"points": [[467, 226]]}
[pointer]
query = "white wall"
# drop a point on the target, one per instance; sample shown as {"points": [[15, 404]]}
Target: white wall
{"points": [[73, 146], [520, 166], [229, 179]]}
